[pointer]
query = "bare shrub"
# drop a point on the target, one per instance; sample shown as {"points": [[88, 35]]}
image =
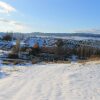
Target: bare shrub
{"points": [[13, 56], [16, 62], [35, 60], [7, 37]]}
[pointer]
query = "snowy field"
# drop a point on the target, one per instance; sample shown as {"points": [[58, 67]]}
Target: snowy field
{"points": [[51, 82]]}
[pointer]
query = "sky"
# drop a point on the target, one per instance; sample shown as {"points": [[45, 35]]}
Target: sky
{"points": [[57, 16]]}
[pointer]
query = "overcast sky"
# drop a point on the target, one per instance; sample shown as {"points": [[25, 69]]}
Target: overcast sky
{"points": [[50, 15]]}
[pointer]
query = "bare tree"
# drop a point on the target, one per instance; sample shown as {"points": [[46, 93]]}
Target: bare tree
{"points": [[59, 48]]}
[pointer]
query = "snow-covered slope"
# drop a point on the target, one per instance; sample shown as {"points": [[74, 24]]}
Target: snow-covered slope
{"points": [[41, 41], [51, 82]]}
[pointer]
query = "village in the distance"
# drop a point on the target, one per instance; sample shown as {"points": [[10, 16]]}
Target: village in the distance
{"points": [[20, 48]]}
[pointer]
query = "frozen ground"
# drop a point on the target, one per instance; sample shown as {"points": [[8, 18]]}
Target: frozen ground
{"points": [[51, 82]]}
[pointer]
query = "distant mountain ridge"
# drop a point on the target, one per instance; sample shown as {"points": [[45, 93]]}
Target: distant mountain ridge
{"points": [[67, 34], [56, 34]]}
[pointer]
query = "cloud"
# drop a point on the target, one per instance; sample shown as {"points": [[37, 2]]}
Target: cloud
{"points": [[11, 25], [97, 31], [6, 8]]}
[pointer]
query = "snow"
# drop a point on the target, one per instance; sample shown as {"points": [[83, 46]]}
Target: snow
{"points": [[51, 82], [41, 41], [2, 75]]}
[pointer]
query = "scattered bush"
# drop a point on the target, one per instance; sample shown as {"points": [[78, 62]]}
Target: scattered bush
{"points": [[23, 49], [13, 56], [35, 60], [7, 37], [16, 62]]}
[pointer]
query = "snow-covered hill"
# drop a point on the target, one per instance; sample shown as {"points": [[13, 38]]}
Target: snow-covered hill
{"points": [[51, 82], [41, 41]]}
